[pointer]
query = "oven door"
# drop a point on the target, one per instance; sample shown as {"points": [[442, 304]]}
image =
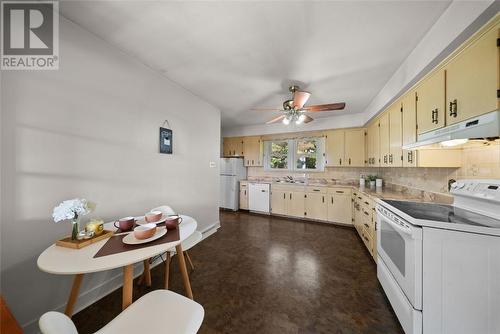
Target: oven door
{"points": [[399, 245]]}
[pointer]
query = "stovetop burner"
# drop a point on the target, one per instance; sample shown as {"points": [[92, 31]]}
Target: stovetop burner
{"points": [[443, 213]]}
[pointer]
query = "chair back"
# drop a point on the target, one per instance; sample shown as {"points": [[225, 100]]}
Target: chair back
{"points": [[165, 209], [56, 323]]}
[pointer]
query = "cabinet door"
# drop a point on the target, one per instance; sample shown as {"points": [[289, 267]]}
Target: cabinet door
{"points": [[252, 151], [409, 105], [243, 198], [296, 204], [384, 140], [316, 206], [355, 148], [431, 102], [339, 208], [279, 200], [335, 148], [395, 135], [238, 146], [472, 79], [226, 147], [373, 139]]}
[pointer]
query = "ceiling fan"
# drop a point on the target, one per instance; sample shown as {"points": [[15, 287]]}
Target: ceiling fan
{"points": [[295, 111]]}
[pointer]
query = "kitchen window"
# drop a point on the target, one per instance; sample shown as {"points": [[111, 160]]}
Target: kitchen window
{"points": [[301, 154]]}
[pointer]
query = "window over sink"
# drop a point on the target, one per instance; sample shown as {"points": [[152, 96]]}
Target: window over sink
{"points": [[299, 154]]}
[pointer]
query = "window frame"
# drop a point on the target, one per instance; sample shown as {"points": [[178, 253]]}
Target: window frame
{"points": [[292, 155]]}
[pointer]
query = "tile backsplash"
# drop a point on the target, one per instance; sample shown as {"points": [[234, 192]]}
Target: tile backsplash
{"points": [[477, 162]]}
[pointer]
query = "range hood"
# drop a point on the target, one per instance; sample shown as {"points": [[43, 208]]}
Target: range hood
{"points": [[484, 126]]}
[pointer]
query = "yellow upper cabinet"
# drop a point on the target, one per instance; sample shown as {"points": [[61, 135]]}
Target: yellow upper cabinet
{"points": [[373, 144], [232, 146], [472, 78], [252, 151], [355, 147], [409, 103], [395, 135], [334, 150], [384, 140], [431, 102]]}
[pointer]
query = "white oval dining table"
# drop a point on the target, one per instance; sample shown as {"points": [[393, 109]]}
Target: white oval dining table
{"points": [[67, 261]]}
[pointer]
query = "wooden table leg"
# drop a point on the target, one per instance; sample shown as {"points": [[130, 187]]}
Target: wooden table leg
{"points": [[73, 295], [182, 267], [147, 273], [128, 279], [189, 260], [167, 270]]}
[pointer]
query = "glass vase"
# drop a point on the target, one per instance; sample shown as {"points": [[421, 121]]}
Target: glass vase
{"points": [[75, 228]]}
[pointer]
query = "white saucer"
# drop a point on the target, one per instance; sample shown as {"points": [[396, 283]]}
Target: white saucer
{"points": [[130, 239], [143, 221]]}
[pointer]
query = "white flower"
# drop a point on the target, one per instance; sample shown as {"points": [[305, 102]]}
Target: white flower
{"points": [[72, 208]]}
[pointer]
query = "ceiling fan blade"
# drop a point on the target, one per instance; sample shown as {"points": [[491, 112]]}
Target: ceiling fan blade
{"points": [[300, 98], [308, 119], [276, 119], [266, 109], [325, 107]]}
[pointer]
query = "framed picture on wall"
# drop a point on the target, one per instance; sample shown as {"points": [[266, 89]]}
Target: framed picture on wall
{"points": [[165, 141]]}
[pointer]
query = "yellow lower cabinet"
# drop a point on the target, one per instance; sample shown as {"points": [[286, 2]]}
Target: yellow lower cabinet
{"points": [[296, 204], [339, 206], [243, 197], [316, 206], [279, 201]]}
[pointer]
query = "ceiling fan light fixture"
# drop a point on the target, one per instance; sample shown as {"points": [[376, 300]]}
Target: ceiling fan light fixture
{"points": [[300, 119], [286, 121]]}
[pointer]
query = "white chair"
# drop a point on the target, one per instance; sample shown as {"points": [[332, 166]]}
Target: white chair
{"points": [[165, 209], [186, 245], [160, 311], [146, 274]]}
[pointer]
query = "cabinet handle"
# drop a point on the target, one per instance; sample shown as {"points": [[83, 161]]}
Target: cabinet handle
{"points": [[245, 192], [323, 199], [366, 239], [453, 108], [367, 203], [284, 196], [367, 225], [290, 196], [390, 158], [366, 213], [316, 190], [332, 199], [340, 161], [339, 191], [435, 113], [349, 161], [410, 157], [385, 159], [252, 163]]}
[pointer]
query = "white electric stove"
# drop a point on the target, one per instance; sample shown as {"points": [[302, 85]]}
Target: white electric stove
{"points": [[439, 264]]}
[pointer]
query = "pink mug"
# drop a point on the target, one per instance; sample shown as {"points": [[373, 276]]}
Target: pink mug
{"points": [[172, 222], [125, 224]]}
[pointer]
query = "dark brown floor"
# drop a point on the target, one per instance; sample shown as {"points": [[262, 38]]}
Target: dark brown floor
{"points": [[262, 274]]}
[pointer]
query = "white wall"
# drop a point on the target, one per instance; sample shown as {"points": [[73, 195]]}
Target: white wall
{"points": [[90, 130]]}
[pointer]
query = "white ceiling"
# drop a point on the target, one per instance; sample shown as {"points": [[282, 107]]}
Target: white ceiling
{"points": [[241, 55]]}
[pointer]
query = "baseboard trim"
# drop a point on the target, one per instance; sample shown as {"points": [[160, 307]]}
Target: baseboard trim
{"points": [[89, 297]]}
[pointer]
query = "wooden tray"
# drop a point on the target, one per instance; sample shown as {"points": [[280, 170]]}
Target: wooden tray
{"points": [[77, 244]]}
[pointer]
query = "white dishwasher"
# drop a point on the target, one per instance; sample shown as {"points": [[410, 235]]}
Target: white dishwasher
{"points": [[258, 197]]}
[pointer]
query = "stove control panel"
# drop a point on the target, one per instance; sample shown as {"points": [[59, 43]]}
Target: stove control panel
{"points": [[479, 189]]}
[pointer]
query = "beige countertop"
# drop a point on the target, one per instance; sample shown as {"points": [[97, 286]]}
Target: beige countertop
{"points": [[391, 192]]}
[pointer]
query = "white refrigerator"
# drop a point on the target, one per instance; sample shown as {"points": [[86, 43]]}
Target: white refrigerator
{"points": [[231, 172]]}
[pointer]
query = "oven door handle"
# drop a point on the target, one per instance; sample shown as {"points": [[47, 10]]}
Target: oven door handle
{"points": [[405, 230]]}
